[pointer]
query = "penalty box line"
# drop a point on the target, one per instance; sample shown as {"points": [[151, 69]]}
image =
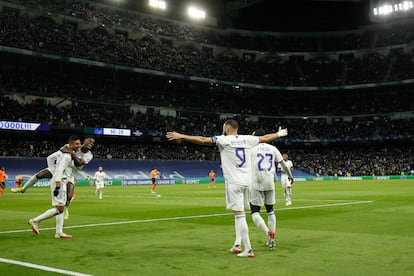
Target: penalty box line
{"points": [[186, 217]]}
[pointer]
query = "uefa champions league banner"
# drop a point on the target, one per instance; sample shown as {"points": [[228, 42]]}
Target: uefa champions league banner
{"points": [[79, 182], [134, 182], [110, 182]]}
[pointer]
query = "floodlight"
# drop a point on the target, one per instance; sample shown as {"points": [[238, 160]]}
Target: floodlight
{"points": [[405, 5], [395, 7], [196, 13], [158, 4]]}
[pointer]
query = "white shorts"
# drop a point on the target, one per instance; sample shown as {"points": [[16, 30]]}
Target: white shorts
{"points": [[99, 185], [237, 197], [260, 198], [60, 199], [285, 182]]}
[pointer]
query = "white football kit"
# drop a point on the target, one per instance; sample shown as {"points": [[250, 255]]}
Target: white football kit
{"points": [[86, 156], [52, 161], [262, 190], [100, 179], [62, 174], [284, 178], [72, 170], [236, 164]]}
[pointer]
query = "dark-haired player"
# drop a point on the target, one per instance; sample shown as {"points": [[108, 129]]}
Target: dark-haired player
{"points": [[262, 190], [58, 190], [237, 171]]}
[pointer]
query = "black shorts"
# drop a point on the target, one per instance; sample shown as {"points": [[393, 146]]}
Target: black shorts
{"points": [[153, 180]]}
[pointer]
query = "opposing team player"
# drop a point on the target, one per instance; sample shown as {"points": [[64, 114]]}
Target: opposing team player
{"points": [[153, 175], [262, 191], [212, 177]]}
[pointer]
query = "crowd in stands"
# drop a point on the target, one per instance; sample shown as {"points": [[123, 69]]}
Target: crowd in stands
{"points": [[45, 35], [371, 126], [83, 87], [365, 160], [313, 117], [105, 15]]}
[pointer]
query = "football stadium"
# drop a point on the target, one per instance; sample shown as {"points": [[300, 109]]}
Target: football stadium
{"points": [[175, 137]]}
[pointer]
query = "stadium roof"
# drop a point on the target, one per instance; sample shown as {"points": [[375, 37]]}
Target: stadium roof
{"points": [[271, 15], [301, 15]]}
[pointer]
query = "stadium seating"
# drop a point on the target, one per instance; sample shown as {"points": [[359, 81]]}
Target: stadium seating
{"points": [[333, 128]]}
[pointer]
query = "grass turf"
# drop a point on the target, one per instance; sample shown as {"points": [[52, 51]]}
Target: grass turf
{"points": [[332, 228]]}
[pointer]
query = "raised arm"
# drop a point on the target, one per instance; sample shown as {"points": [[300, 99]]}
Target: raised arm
{"points": [[199, 140], [273, 136]]}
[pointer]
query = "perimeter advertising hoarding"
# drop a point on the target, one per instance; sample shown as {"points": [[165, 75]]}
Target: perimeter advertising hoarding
{"points": [[10, 125]]}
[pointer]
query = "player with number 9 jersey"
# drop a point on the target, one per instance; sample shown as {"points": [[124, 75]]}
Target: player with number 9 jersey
{"points": [[235, 157], [237, 171]]}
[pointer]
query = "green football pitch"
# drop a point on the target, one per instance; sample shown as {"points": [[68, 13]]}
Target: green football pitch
{"points": [[332, 228]]}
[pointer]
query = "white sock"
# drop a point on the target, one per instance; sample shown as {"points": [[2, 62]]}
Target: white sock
{"points": [[289, 193], [260, 223], [238, 237], [32, 180], [243, 231], [47, 214], [59, 223], [100, 193], [271, 221]]}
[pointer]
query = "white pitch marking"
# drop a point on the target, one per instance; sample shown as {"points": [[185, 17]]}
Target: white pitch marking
{"points": [[42, 267], [328, 205], [186, 217]]}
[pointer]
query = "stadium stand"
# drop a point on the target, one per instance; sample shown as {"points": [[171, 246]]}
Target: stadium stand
{"points": [[98, 42], [352, 111]]}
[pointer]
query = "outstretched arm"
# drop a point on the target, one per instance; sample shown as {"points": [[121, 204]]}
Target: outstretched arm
{"points": [[273, 136], [199, 140]]}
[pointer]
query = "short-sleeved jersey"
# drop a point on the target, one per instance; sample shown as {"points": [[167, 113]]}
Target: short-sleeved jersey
{"points": [[212, 175], [86, 156], [289, 166], [153, 173], [100, 176], [63, 169], [72, 170], [264, 157], [52, 161], [2, 176], [235, 157]]}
